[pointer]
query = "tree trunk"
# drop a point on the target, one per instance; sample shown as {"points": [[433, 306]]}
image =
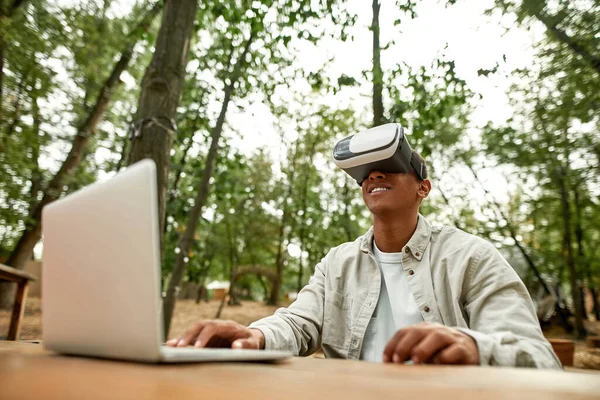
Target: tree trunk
{"points": [[594, 294], [36, 173], [377, 72], [122, 155], [180, 167], [218, 314], [562, 173], [302, 238], [568, 251], [276, 289], [201, 293], [303, 199], [161, 90], [173, 191], [584, 314], [263, 285], [233, 261], [583, 260], [346, 199], [33, 228], [192, 222], [205, 263], [234, 257]]}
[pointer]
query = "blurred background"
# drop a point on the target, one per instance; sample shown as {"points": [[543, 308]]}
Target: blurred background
{"points": [[239, 102]]}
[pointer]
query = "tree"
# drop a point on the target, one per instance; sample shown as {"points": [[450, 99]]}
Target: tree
{"points": [[244, 27], [33, 229], [569, 23], [547, 154], [202, 192], [316, 228], [377, 72], [8, 8], [161, 91], [550, 140], [26, 83]]}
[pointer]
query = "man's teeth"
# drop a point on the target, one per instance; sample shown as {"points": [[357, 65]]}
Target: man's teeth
{"points": [[379, 189]]}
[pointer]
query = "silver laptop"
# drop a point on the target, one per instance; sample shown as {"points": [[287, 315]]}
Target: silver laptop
{"points": [[100, 279]]}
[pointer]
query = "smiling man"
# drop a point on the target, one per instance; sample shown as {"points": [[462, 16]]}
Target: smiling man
{"points": [[404, 291]]}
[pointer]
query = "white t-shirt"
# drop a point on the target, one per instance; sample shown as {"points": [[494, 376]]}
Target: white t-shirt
{"points": [[396, 307]]}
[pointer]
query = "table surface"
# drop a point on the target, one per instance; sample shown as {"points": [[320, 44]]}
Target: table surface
{"points": [[29, 372]]}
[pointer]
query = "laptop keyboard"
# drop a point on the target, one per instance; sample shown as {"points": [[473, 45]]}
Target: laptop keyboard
{"points": [[210, 354]]}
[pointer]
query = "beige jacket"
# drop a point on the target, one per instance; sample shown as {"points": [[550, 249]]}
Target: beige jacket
{"points": [[457, 280]]}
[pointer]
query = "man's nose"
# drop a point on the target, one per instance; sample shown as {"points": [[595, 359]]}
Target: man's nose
{"points": [[374, 175]]}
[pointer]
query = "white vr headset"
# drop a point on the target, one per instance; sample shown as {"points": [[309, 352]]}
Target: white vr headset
{"points": [[383, 148]]}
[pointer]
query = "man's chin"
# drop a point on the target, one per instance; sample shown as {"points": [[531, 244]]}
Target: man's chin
{"points": [[381, 210]]}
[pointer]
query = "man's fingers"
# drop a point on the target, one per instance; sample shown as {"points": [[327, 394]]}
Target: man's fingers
{"points": [[245, 344], [208, 333], [434, 341], [190, 335], [402, 351], [454, 354], [388, 352]]}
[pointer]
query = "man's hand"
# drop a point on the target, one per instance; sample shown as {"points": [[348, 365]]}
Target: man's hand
{"points": [[214, 333], [433, 344]]}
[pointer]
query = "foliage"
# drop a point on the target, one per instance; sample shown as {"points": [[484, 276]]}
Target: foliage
{"points": [[52, 73], [286, 203]]}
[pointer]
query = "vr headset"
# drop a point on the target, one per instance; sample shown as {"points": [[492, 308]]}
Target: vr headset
{"points": [[383, 148]]}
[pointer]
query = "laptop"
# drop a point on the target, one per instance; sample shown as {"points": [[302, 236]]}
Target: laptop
{"points": [[100, 278]]}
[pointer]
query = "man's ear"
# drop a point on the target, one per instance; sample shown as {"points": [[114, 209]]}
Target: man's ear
{"points": [[424, 188]]}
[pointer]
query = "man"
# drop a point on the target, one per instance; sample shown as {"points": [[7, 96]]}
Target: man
{"points": [[404, 291]]}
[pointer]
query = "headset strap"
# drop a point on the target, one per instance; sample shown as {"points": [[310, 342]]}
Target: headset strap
{"points": [[418, 167]]}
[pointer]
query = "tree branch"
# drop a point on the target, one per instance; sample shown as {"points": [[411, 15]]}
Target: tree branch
{"points": [[563, 37]]}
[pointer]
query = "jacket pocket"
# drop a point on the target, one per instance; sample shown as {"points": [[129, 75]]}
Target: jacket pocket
{"points": [[337, 320]]}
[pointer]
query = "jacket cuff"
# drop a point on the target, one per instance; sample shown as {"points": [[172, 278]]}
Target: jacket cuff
{"points": [[267, 333], [485, 344]]}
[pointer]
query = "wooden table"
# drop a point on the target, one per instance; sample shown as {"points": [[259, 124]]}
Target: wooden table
{"points": [[29, 372], [21, 278]]}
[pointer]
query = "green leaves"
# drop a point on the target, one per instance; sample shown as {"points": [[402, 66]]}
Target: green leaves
{"points": [[345, 80], [433, 104], [56, 59], [408, 7], [486, 72], [550, 141]]}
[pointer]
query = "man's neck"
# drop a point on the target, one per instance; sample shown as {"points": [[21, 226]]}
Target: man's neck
{"points": [[392, 234]]}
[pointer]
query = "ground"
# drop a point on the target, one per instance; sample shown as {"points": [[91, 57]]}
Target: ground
{"points": [[187, 312]]}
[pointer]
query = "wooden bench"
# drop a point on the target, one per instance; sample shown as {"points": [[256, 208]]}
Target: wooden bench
{"points": [[21, 278]]}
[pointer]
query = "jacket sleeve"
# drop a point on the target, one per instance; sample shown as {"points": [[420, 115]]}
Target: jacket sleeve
{"points": [[298, 327], [501, 315]]}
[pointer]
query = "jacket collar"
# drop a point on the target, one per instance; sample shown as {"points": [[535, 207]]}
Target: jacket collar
{"points": [[416, 245]]}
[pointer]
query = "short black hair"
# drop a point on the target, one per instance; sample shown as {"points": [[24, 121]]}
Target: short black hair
{"points": [[422, 161]]}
